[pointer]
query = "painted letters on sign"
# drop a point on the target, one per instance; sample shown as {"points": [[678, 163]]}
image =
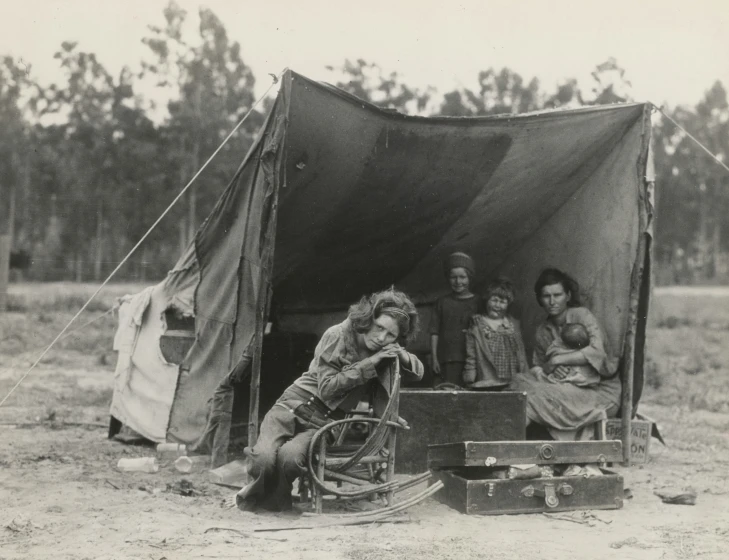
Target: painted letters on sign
{"points": [[640, 437]]}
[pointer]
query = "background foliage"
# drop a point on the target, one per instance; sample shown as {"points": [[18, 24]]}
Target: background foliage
{"points": [[86, 165]]}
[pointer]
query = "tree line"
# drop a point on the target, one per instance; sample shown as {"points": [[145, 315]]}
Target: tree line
{"points": [[88, 164]]}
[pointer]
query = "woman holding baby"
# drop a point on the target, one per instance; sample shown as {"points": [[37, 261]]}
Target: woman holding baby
{"points": [[573, 382]]}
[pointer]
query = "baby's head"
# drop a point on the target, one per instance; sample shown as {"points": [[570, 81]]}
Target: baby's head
{"points": [[575, 335]]}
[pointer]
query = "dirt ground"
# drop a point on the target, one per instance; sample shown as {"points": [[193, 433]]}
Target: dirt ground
{"points": [[63, 497]]}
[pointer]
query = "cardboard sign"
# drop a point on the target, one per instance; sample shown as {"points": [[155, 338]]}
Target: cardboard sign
{"points": [[640, 437]]}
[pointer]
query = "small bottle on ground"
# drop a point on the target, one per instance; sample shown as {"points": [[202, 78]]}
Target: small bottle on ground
{"points": [[171, 449], [138, 464]]}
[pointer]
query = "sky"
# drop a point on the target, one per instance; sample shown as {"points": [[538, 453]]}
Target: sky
{"points": [[673, 51]]}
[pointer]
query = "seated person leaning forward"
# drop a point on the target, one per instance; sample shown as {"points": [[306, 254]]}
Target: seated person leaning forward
{"points": [[567, 410], [349, 363], [494, 347]]}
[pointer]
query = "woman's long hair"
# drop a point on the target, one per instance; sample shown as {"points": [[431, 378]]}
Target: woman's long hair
{"points": [[392, 303], [551, 276]]}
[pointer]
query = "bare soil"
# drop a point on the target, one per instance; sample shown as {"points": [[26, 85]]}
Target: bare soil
{"points": [[63, 497]]}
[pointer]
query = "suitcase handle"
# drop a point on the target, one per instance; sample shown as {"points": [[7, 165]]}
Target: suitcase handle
{"points": [[548, 492]]}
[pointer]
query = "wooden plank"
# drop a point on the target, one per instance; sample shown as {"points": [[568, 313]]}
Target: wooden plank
{"points": [[447, 416], [505, 453], [499, 497]]}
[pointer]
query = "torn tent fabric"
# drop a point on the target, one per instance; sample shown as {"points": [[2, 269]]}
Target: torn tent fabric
{"points": [[353, 199]]}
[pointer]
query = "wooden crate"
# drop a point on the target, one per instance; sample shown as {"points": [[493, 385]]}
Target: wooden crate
{"points": [[640, 437], [447, 416], [466, 492]]}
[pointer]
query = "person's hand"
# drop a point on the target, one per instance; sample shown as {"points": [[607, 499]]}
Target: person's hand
{"points": [[553, 362], [402, 355], [389, 351], [560, 372], [435, 365], [393, 350]]}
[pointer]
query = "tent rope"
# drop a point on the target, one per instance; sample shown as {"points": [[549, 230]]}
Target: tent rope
{"points": [[716, 158], [275, 80]]}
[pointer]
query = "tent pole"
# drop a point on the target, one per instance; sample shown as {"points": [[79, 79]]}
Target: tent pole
{"points": [[266, 294], [253, 404], [636, 282], [261, 313], [631, 333]]}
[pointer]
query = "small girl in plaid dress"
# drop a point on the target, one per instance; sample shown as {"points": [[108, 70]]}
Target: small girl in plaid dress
{"points": [[494, 347]]}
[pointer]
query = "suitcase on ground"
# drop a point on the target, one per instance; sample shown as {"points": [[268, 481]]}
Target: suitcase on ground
{"points": [[473, 475], [445, 416]]}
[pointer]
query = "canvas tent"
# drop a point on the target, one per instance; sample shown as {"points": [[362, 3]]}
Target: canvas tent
{"points": [[338, 198]]}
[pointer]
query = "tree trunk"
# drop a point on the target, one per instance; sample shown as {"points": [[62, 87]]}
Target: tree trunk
{"points": [[22, 236], [195, 164], [182, 230], [703, 240], [182, 225], [10, 242], [192, 211], [143, 267], [4, 247], [99, 253], [11, 213], [79, 264], [4, 270], [715, 245]]}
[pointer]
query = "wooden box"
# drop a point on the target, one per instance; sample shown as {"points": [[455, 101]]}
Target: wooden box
{"points": [[473, 476], [445, 416], [466, 491], [640, 437]]}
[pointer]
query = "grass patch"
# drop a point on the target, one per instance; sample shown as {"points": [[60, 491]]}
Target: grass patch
{"points": [[56, 392], [31, 332], [687, 361], [38, 313], [65, 296]]}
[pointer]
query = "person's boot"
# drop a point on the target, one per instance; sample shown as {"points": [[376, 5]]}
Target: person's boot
{"points": [[246, 499]]}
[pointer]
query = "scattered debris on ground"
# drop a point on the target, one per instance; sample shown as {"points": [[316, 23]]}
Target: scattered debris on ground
{"points": [[685, 497], [183, 487]]}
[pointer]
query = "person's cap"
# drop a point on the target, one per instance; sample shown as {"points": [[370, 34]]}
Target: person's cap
{"points": [[460, 260]]}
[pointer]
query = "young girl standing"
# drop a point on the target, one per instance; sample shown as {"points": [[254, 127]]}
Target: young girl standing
{"points": [[451, 317], [494, 348]]}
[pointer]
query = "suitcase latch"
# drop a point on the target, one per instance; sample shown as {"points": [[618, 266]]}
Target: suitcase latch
{"points": [[546, 452], [548, 492]]}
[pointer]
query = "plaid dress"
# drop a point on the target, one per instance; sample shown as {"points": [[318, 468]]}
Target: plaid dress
{"points": [[493, 355], [504, 348]]}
